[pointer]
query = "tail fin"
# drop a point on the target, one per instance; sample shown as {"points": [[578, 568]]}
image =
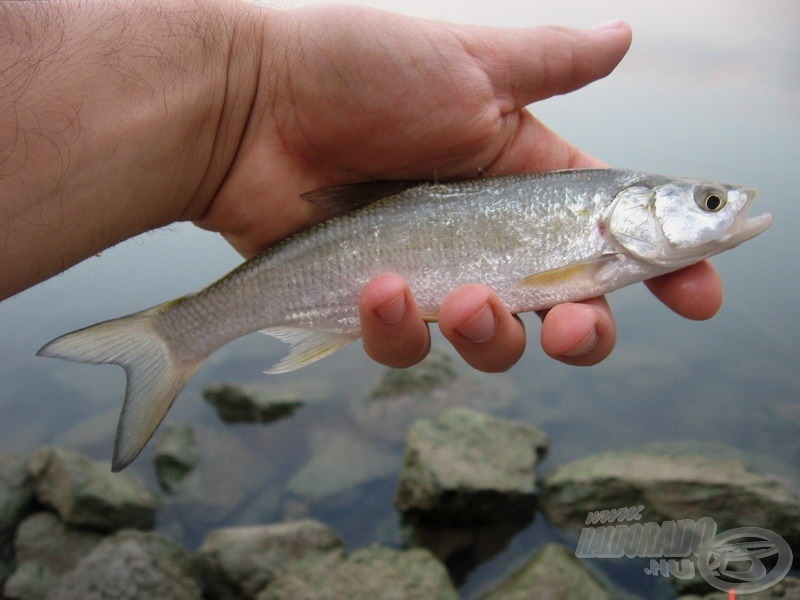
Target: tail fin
{"points": [[155, 375]]}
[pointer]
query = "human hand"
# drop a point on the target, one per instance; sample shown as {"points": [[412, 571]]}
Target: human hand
{"points": [[349, 94], [227, 113]]}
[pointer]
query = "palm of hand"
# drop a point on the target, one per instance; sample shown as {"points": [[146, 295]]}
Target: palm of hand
{"points": [[357, 94]]}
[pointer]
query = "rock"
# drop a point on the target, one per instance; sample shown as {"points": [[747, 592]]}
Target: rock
{"points": [[374, 573], [786, 589], [554, 573], [468, 467], [16, 494], [338, 462], [672, 486], [86, 493], [131, 565], [250, 404], [46, 548], [229, 473], [176, 454], [435, 372], [403, 396], [462, 549], [694, 584], [6, 564], [238, 562], [17, 500]]}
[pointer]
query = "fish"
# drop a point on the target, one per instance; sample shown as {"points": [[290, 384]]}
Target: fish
{"points": [[537, 239]]}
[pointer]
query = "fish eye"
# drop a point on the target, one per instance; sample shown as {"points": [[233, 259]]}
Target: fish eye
{"points": [[711, 201]]}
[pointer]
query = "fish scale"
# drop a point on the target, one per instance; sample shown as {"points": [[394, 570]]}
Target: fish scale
{"points": [[536, 239]]}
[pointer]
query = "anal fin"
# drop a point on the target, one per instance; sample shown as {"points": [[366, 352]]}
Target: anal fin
{"points": [[305, 346]]}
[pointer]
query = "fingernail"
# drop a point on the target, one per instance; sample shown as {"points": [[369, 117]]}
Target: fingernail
{"points": [[393, 311], [481, 326], [613, 24], [585, 346]]}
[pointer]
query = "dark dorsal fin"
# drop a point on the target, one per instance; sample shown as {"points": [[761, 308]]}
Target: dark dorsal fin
{"points": [[346, 198]]}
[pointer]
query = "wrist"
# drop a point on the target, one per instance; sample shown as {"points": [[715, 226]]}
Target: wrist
{"points": [[235, 87]]}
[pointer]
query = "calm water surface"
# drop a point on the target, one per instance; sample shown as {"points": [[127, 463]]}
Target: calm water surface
{"points": [[706, 91]]}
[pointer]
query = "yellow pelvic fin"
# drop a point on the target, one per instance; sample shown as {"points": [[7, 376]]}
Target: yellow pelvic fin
{"points": [[567, 273]]}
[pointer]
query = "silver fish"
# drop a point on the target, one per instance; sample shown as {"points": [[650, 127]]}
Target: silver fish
{"points": [[536, 239]]}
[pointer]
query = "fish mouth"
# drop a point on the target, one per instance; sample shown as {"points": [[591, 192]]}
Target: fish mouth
{"points": [[745, 227]]}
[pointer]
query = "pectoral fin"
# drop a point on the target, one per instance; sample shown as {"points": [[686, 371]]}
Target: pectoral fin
{"points": [[305, 346], [582, 271]]}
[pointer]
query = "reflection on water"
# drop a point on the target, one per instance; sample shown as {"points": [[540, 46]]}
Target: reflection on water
{"points": [[721, 106]]}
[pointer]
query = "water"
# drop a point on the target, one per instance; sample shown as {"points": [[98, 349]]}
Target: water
{"points": [[708, 90]]}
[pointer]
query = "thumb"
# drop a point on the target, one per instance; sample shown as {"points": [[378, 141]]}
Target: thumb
{"points": [[526, 65]]}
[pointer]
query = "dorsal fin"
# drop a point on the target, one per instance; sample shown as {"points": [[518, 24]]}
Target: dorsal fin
{"points": [[347, 198]]}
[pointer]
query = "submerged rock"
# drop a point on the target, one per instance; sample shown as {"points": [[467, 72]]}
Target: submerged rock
{"points": [[238, 562], [435, 372], [86, 493], [214, 491], [16, 494], [338, 461], [131, 565], [466, 466], [463, 548], [45, 549], [374, 573], [672, 486], [403, 396], [249, 404], [176, 454], [553, 573]]}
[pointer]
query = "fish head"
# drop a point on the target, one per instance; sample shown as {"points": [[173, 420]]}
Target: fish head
{"points": [[674, 223]]}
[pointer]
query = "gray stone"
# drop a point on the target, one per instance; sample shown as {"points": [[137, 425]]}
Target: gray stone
{"points": [[238, 562], [438, 383], [466, 466], [131, 565], [86, 493], [786, 589], [17, 500], [6, 564], [229, 473], [672, 486], [463, 548], [176, 454], [46, 548], [374, 573], [435, 372], [16, 494], [251, 404], [338, 462], [554, 573]]}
